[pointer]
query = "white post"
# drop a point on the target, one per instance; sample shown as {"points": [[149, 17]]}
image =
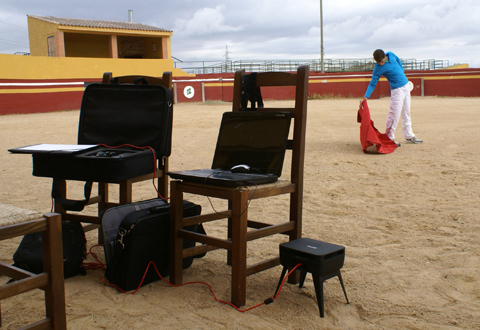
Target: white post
{"points": [[174, 93], [322, 65]]}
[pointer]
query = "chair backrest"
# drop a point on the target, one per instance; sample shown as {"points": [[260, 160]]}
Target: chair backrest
{"points": [[119, 113], [278, 79], [166, 79]]}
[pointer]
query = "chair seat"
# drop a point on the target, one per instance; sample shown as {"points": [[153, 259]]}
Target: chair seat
{"points": [[265, 186], [277, 184], [10, 215]]}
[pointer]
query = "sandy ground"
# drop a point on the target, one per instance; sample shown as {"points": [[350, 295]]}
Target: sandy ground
{"points": [[409, 222]]}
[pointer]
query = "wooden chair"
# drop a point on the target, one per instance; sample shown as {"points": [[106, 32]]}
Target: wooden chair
{"points": [[238, 199], [51, 280], [125, 187]]}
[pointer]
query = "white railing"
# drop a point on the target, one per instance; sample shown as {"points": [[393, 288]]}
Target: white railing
{"points": [[330, 65]]}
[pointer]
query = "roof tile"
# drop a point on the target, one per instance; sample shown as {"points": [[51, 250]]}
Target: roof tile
{"points": [[90, 23]]}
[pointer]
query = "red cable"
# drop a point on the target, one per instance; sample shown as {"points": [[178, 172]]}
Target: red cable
{"points": [[100, 265], [154, 161], [93, 265], [199, 282]]}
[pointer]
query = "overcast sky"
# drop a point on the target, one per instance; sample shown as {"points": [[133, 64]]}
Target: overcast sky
{"points": [[277, 29]]}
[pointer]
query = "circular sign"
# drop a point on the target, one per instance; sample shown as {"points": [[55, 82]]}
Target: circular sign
{"points": [[189, 92]]}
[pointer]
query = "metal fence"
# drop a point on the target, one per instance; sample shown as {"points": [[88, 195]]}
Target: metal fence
{"points": [[330, 65]]}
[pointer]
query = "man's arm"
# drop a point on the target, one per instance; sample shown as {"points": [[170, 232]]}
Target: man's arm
{"points": [[373, 82]]}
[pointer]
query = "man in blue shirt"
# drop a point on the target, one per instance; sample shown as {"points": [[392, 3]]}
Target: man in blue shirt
{"points": [[390, 66]]}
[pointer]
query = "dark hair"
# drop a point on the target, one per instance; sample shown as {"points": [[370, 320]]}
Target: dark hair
{"points": [[378, 55]]}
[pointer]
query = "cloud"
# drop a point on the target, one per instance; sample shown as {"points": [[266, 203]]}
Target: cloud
{"points": [[205, 21], [444, 30], [274, 29]]}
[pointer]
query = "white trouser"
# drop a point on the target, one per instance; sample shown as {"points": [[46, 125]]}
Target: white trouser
{"points": [[399, 106]]}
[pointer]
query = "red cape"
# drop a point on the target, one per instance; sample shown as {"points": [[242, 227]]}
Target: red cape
{"points": [[369, 135]]}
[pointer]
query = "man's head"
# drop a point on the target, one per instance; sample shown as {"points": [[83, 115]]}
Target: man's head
{"points": [[379, 56]]}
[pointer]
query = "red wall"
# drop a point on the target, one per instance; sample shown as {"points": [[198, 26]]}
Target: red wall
{"points": [[58, 95], [40, 95], [39, 102]]}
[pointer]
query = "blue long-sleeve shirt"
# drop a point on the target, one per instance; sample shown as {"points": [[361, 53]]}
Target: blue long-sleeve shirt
{"points": [[392, 70]]}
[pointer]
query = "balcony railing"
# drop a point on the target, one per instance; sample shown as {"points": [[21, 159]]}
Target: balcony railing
{"points": [[330, 65]]}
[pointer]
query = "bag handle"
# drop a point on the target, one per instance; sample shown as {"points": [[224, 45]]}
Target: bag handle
{"points": [[71, 204]]}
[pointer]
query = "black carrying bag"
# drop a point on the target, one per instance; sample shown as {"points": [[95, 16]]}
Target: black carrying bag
{"points": [[29, 254], [113, 115], [143, 236], [98, 165], [140, 115]]}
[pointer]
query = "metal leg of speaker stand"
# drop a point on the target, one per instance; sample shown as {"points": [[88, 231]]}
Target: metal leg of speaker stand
{"points": [[303, 275], [284, 272], [343, 286], [318, 282]]}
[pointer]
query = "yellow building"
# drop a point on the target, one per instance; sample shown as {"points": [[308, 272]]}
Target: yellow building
{"points": [[66, 53], [69, 37]]}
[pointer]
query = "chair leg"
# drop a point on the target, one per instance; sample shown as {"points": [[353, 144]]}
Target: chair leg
{"points": [[229, 234], [239, 248], [176, 242], [162, 181], [53, 264], [102, 191], [296, 202], [125, 193], [57, 207]]}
